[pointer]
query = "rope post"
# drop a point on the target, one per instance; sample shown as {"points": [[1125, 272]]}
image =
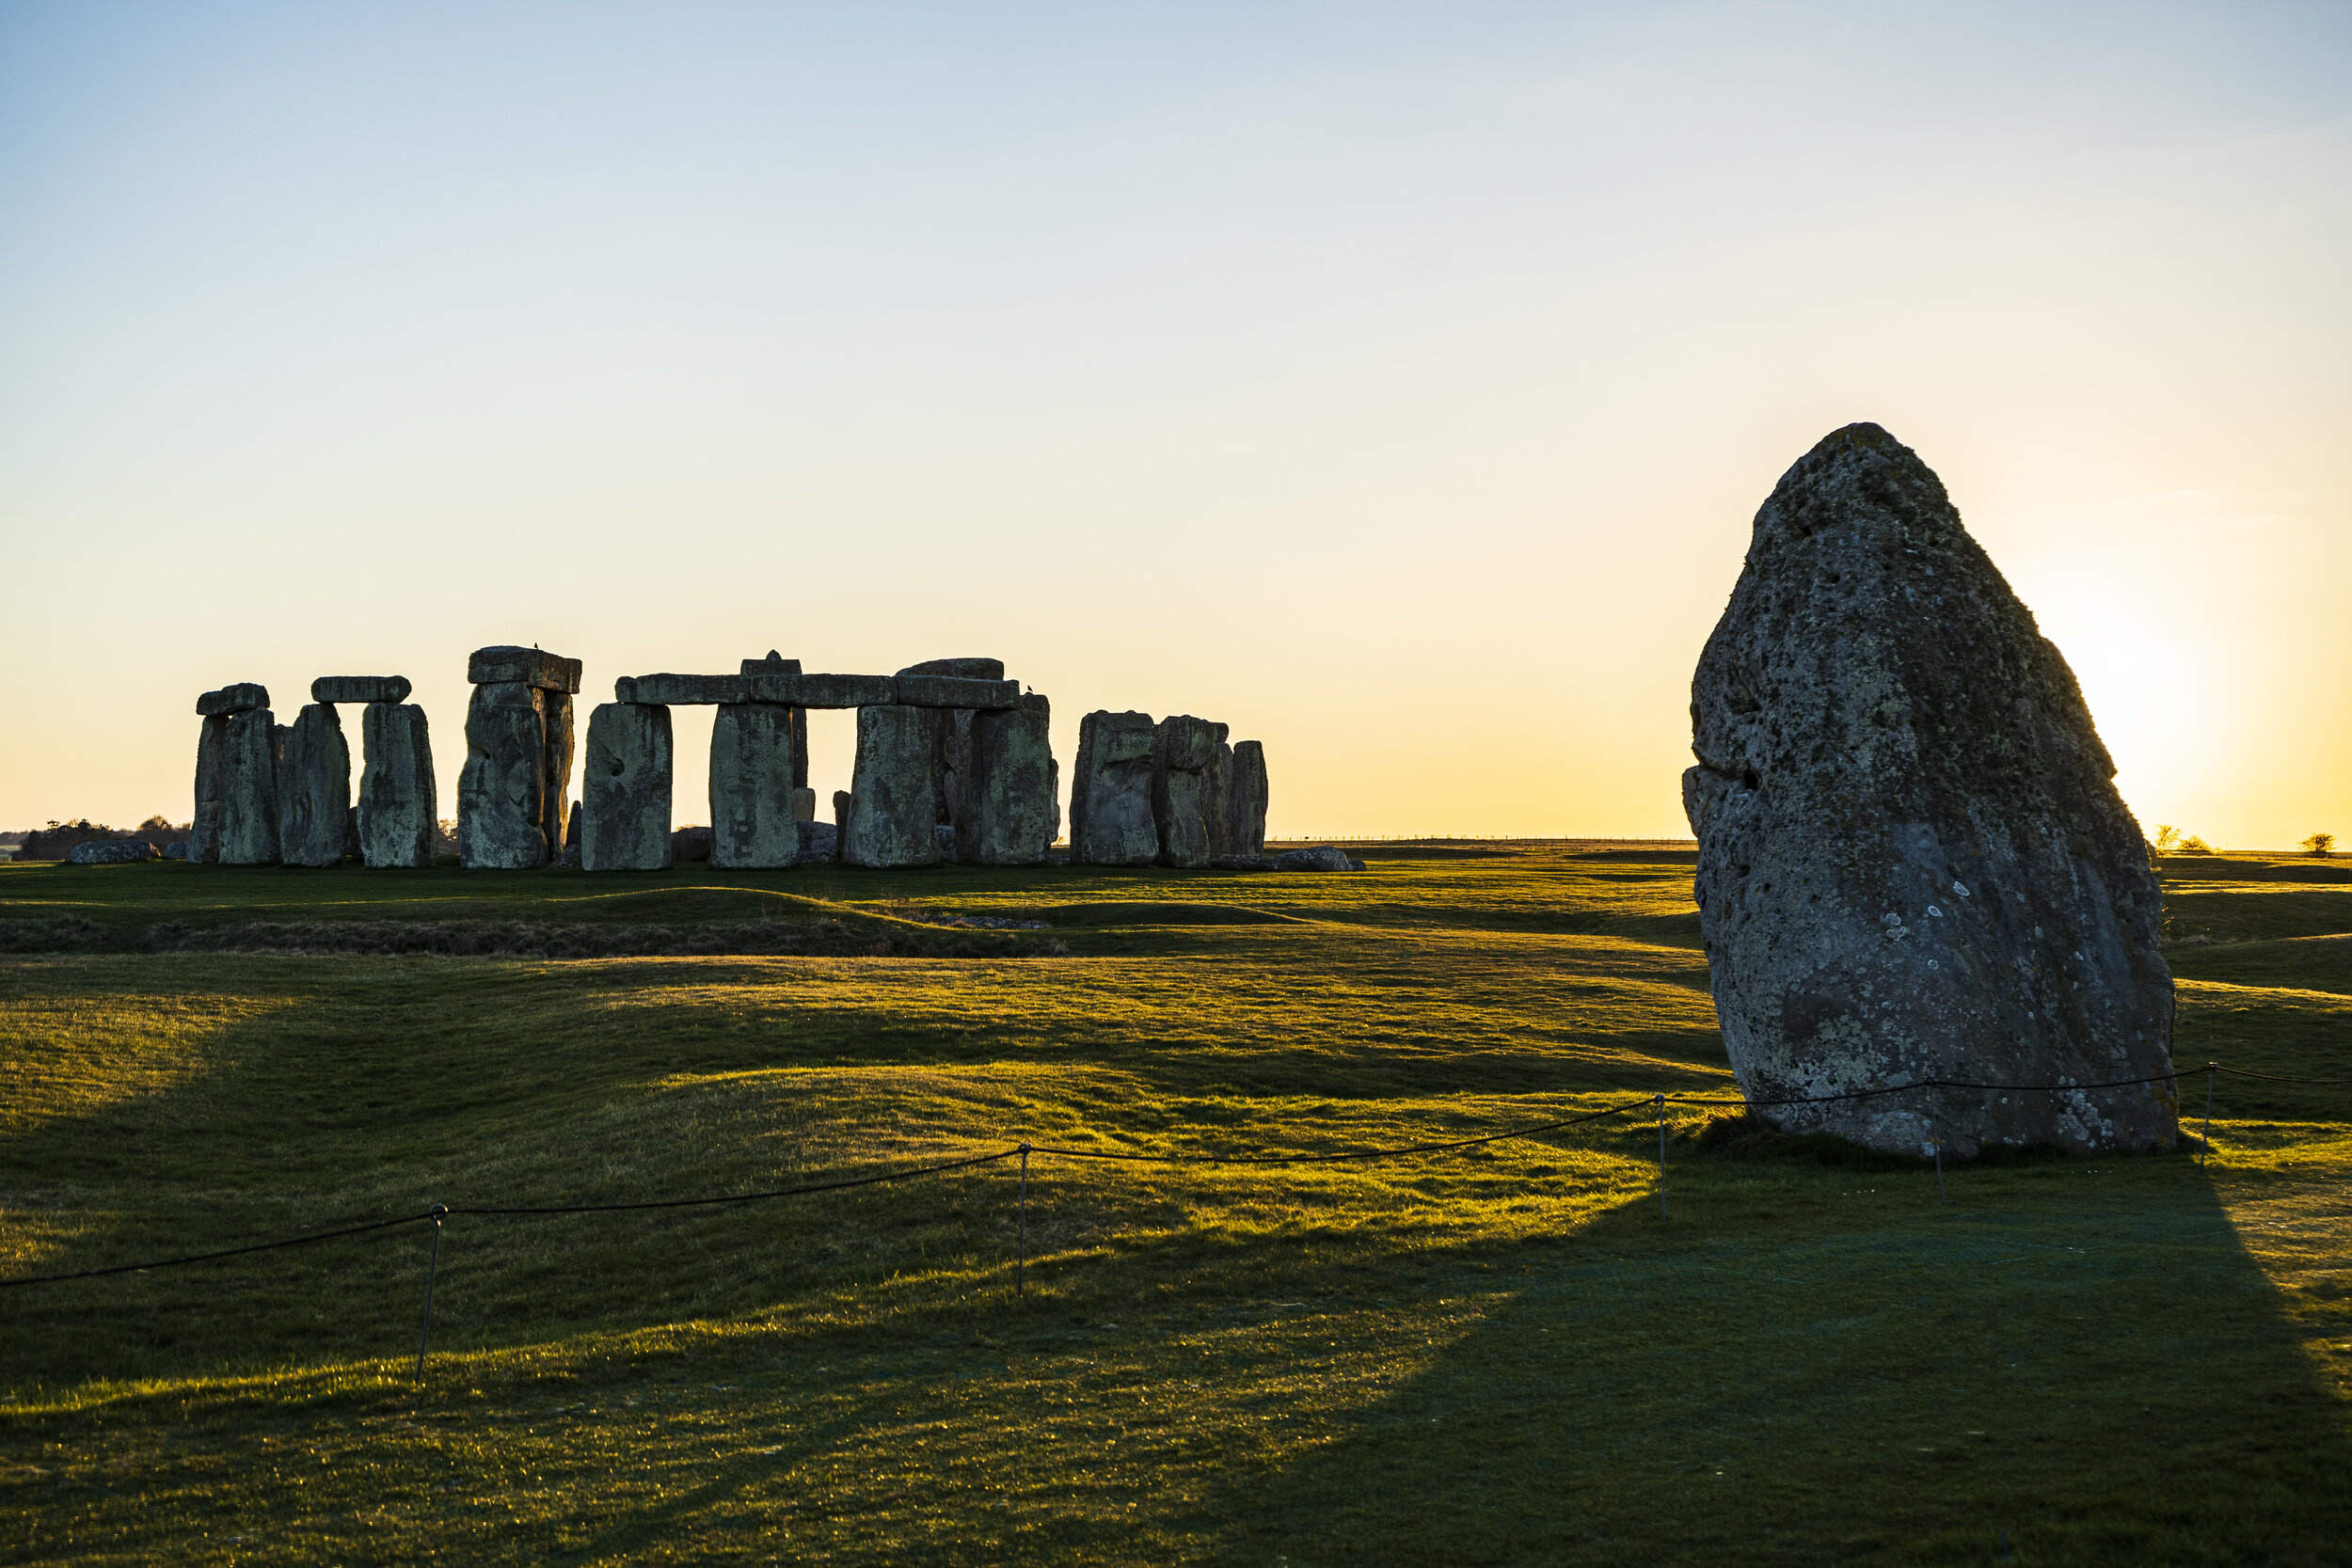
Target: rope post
{"points": [[2206, 1152], [1660, 1099], [1021, 1269], [433, 1268]]}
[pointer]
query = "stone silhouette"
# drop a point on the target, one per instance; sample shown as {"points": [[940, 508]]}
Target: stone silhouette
{"points": [[314, 789], [1245, 801], [1912, 863], [249, 789], [519, 754]]}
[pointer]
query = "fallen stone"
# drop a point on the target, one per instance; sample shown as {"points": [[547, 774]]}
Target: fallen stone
{"points": [[111, 851], [803, 805], [820, 842], [244, 697], [892, 818], [204, 826], [570, 860], [1246, 800], [1913, 861], [1008, 804], [398, 793], [1110, 791], [176, 850], [690, 844], [360, 688], [954, 691], [503, 665], [962, 669], [248, 790], [501, 800], [1321, 857], [1181, 748], [752, 822], [625, 777]]}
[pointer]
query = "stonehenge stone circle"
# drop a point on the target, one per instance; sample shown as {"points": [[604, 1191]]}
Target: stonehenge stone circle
{"points": [[204, 826], [1183, 747], [314, 789], [1913, 861], [1009, 802], [502, 791], [360, 688], [249, 789], [398, 795], [624, 778], [752, 823], [892, 810], [1110, 791]]}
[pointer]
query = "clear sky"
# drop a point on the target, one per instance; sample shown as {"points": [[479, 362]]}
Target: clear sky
{"points": [[1393, 383]]}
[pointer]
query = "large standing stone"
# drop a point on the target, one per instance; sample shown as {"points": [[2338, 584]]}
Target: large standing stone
{"points": [[1217, 796], [1246, 800], [891, 820], [1181, 748], [1009, 806], [248, 790], [204, 826], [398, 794], [313, 789], [501, 800], [752, 823], [624, 788], [1110, 792], [555, 772], [1912, 863], [950, 728], [776, 664]]}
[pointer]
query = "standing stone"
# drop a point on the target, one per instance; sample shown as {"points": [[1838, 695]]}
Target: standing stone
{"points": [[555, 776], [204, 826], [314, 789], [752, 823], [624, 788], [1008, 808], [1181, 748], [501, 800], [1912, 863], [1053, 798], [398, 793], [820, 842], [843, 804], [1216, 797], [776, 664], [804, 797], [248, 790], [1246, 800], [894, 807], [949, 732], [1110, 792]]}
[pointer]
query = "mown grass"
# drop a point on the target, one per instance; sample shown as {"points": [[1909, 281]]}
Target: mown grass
{"points": [[1505, 1355]]}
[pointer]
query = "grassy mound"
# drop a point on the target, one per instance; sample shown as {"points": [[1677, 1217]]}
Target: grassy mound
{"points": [[1505, 1353]]}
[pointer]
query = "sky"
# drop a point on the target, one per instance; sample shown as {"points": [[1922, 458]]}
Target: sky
{"points": [[1393, 383]]}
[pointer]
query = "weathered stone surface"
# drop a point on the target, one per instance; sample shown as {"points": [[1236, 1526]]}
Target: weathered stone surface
{"points": [[1217, 800], [1321, 857], [111, 851], [1008, 804], [948, 734], [555, 774], [820, 842], [680, 691], [625, 775], [503, 665], [691, 842], [1110, 791], [844, 804], [892, 815], [954, 691], [752, 823], [775, 664], [398, 793], [1912, 863], [176, 850], [241, 698], [204, 826], [360, 688], [1246, 800], [962, 669], [249, 789], [803, 803], [313, 789], [501, 801], [944, 837], [822, 690], [1183, 747]]}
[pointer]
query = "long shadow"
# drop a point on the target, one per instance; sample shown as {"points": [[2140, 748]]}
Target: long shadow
{"points": [[2093, 1376]]}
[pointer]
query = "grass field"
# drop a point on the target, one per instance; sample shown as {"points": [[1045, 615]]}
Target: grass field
{"points": [[1504, 1355]]}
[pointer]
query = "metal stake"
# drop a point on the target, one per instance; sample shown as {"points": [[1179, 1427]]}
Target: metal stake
{"points": [[2202, 1153], [1021, 1272], [1661, 1154], [431, 1269]]}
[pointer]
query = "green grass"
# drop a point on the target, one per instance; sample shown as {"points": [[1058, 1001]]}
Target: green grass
{"points": [[1500, 1357]]}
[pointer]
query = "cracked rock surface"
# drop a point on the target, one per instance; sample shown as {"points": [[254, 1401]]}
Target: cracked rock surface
{"points": [[1912, 861]]}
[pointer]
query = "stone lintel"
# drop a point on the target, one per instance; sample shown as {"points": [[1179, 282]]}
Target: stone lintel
{"points": [[532, 665], [360, 688], [957, 691], [244, 697]]}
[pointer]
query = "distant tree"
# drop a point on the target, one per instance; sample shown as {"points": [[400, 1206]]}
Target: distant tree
{"points": [[2192, 845], [53, 842], [2167, 839], [2321, 845]]}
